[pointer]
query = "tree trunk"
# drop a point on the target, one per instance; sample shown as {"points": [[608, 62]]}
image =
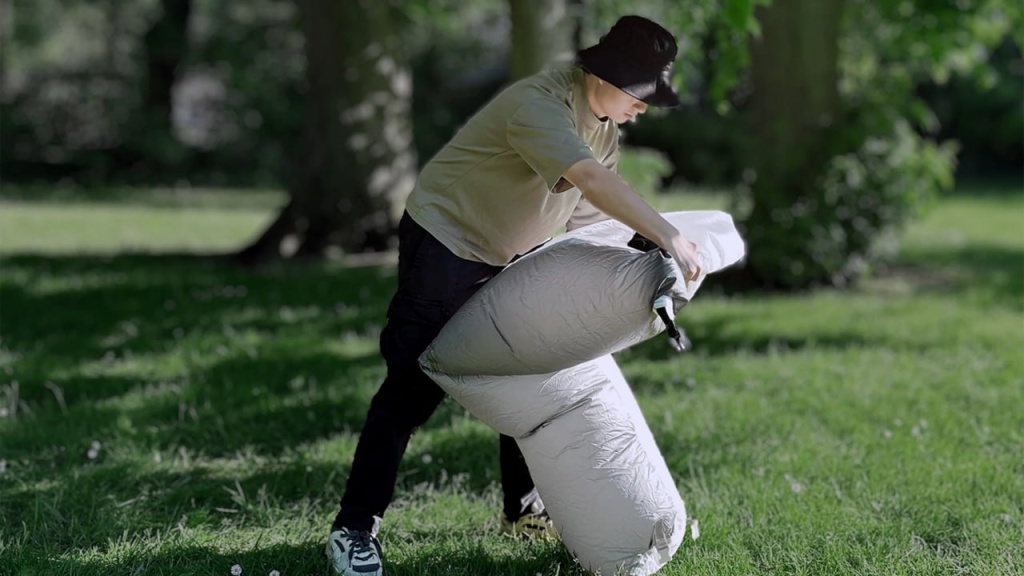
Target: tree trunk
{"points": [[576, 13], [356, 163], [542, 31], [794, 68], [165, 46]]}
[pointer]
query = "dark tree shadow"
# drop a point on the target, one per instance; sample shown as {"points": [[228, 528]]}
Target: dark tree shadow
{"points": [[991, 272], [81, 305], [148, 196], [477, 560], [308, 560]]}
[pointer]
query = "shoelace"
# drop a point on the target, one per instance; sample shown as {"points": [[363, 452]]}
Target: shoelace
{"points": [[360, 545]]}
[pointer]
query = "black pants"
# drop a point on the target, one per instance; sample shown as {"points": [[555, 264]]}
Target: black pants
{"points": [[433, 284]]}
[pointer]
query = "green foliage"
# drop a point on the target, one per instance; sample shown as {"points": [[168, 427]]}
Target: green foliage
{"points": [[891, 49], [870, 194], [457, 53], [890, 46], [981, 109], [704, 148], [731, 36], [740, 15], [73, 75], [644, 169], [838, 214]]}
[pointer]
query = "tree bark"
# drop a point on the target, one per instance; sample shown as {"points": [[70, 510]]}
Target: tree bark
{"points": [[165, 47], [542, 31], [794, 69], [577, 11], [355, 164]]}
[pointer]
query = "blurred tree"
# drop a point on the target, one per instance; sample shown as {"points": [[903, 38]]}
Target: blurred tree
{"points": [[542, 31], [85, 87], [355, 163], [981, 110], [164, 47], [796, 98], [839, 165]]}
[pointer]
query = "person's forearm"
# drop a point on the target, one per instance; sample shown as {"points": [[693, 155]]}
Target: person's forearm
{"points": [[610, 194]]}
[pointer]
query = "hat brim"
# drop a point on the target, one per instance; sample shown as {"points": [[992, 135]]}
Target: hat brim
{"points": [[651, 88]]}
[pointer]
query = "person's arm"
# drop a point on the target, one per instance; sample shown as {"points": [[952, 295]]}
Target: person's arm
{"points": [[586, 213], [610, 194]]}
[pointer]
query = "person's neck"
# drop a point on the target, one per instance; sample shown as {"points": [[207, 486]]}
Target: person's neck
{"points": [[591, 84]]}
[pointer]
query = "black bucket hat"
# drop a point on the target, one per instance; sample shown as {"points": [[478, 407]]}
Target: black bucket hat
{"points": [[635, 56]]}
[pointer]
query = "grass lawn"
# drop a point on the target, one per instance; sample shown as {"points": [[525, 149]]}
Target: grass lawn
{"points": [[162, 413]]}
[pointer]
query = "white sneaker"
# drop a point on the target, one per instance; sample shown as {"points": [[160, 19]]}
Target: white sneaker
{"points": [[354, 553], [531, 525]]}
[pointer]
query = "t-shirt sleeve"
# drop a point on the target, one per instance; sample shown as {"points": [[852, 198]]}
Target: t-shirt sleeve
{"points": [[611, 161], [542, 132], [585, 212]]}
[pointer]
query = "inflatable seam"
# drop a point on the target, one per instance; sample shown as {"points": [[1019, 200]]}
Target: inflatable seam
{"points": [[582, 402]]}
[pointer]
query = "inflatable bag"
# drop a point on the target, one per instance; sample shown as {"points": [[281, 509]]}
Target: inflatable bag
{"points": [[530, 355]]}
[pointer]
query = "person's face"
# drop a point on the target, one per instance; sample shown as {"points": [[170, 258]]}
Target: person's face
{"points": [[609, 101]]}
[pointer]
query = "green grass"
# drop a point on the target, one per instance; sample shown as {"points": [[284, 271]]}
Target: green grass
{"points": [[164, 413]]}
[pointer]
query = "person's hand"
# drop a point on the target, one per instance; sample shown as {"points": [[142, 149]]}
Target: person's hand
{"points": [[685, 254]]}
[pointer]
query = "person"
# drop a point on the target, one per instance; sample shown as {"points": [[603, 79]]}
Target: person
{"points": [[540, 155]]}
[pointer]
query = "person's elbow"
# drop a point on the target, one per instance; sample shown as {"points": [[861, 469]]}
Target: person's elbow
{"points": [[586, 175]]}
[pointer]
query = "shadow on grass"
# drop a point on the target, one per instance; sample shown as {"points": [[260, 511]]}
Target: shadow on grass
{"points": [[477, 560], [192, 560], [993, 186], [167, 197], [307, 560], [992, 274], [712, 337], [66, 310]]}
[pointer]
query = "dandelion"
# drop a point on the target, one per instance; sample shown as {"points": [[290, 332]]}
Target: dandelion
{"points": [[3, 467], [236, 570], [427, 458], [4, 413], [274, 573], [887, 434]]}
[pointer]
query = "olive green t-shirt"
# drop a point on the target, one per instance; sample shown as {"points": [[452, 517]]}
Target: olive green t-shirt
{"points": [[496, 189]]}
